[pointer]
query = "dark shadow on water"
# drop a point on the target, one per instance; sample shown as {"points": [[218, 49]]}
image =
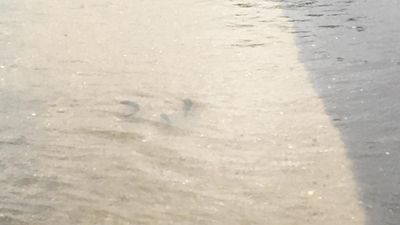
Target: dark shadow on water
{"points": [[352, 51]]}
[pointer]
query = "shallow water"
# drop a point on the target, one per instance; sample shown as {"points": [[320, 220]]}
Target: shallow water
{"points": [[352, 50], [152, 112]]}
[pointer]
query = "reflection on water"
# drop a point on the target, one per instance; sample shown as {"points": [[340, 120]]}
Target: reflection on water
{"points": [[352, 49]]}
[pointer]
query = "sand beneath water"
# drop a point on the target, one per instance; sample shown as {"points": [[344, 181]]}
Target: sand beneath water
{"points": [[163, 112]]}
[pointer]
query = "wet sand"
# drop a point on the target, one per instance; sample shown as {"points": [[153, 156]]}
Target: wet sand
{"points": [[153, 112]]}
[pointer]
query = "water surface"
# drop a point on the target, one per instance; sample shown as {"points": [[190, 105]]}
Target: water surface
{"points": [[352, 51]]}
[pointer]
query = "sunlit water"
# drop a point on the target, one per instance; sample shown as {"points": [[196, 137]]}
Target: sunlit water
{"points": [[168, 113]]}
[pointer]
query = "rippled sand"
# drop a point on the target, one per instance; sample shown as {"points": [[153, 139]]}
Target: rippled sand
{"points": [[163, 112]]}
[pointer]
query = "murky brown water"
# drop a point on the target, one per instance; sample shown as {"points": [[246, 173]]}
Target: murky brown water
{"points": [[163, 112]]}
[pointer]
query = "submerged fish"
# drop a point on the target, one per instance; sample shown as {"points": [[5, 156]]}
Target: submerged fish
{"points": [[165, 118], [187, 105], [134, 107]]}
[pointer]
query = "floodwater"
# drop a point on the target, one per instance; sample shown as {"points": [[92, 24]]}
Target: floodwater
{"points": [[195, 112]]}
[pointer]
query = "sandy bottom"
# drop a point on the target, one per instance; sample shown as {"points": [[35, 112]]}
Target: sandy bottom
{"points": [[163, 112]]}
